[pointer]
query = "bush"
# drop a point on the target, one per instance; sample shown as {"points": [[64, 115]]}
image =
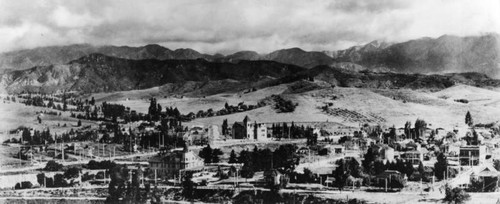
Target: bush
{"points": [[87, 177], [456, 195], [53, 166], [282, 105], [72, 172], [106, 164], [23, 185]]}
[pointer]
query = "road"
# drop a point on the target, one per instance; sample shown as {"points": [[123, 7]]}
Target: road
{"points": [[41, 165]]}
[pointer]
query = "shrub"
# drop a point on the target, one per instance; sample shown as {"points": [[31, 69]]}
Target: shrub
{"points": [[53, 166], [23, 185], [456, 195]]}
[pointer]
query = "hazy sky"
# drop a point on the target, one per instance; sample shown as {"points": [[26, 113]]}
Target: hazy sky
{"points": [[227, 25]]}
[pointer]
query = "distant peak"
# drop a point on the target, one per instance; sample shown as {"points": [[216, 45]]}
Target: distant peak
{"points": [[295, 49]]}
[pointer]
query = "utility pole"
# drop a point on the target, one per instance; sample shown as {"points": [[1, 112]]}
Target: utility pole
{"points": [[62, 149], [155, 177]]}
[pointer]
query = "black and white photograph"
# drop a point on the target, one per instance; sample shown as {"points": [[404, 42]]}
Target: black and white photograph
{"points": [[250, 101]]}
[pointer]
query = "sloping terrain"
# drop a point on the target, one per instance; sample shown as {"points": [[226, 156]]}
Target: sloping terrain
{"points": [[356, 106], [426, 55], [45, 56], [101, 73]]}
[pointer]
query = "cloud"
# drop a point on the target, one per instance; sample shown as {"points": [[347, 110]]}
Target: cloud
{"points": [[228, 25]]}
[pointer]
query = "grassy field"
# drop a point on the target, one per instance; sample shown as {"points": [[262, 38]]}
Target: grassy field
{"points": [[385, 106]]}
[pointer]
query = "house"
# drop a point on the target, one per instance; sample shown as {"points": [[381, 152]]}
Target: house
{"points": [[249, 130], [199, 135], [485, 173], [168, 165], [385, 152], [386, 177], [472, 155], [335, 149], [413, 156]]}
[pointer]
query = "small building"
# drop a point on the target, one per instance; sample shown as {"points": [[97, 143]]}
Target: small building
{"points": [[472, 155], [335, 149], [199, 135], [485, 173], [385, 178], [385, 152]]}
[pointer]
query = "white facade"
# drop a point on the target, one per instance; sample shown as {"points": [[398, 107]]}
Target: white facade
{"points": [[256, 131]]}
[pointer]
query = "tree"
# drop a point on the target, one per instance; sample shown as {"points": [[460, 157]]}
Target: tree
{"points": [[420, 126], [41, 179], [188, 185], [119, 177], [408, 129], [59, 181], [215, 155], [308, 176], [468, 119], [370, 157], [79, 123], [421, 169], [456, 195], [24, 185], [247, 171], [72, 173], [441, 166], [340, 174], [232, 157], [206, 154], [224, 127], [53, 166], [26, 135]]}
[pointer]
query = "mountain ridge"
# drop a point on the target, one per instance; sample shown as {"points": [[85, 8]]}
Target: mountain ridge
{"points": [[445, 54], [101, 73]]}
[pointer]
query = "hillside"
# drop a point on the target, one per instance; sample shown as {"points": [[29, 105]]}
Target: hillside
{"points": [[445, 54], [381, 80], [56, 55], [46, 56], [101, 73]]}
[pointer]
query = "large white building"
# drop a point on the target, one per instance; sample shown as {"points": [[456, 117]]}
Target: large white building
{"points": [[249, 130], [169, 165]]}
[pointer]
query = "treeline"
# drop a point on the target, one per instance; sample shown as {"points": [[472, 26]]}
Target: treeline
{"points": [[283, 159], [283, 130]]}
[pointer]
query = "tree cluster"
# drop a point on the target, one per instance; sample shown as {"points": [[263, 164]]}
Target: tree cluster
{"points": [[282, 105], [210, 155]]}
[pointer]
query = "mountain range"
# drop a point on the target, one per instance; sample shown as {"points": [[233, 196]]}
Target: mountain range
{"points": [[421, 63], [445, 54], [102, 73]]}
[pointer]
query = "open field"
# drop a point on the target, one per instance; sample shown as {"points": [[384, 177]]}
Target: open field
{"points": [[14, 115], [349, 106], [354, 105]]}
